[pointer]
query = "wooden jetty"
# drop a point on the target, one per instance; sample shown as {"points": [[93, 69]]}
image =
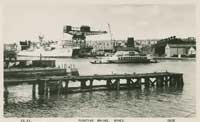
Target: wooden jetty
{"points": [[47, 85], [29, 63]]}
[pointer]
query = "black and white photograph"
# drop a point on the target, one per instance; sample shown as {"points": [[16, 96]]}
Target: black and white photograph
{"points": [[99, 61]]}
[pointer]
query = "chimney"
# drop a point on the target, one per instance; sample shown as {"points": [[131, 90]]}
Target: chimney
{"points": [[130, 42]]}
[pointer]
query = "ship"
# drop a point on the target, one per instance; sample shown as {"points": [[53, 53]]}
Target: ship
{"points": [[127, 57], [46, 49], [54, 53], [130, 57]]}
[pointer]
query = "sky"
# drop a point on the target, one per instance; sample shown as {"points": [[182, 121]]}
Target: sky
{"points": [[141, 21]]}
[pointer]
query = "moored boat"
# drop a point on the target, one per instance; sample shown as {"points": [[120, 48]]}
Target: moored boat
{"points": [[49, 50], [130, 57], [126, 57]]}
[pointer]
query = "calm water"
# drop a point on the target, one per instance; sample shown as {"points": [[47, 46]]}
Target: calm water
{"points": [[151, 102]]}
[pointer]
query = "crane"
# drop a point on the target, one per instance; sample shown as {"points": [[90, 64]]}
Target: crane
{"points": [[110, 31], [111, 37], [79, 33]]}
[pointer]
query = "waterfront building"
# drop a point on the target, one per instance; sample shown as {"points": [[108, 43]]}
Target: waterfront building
{"points": [[67, 43], [175, 43], [144, 42], [10, 47], [101, 45], [172, 50], [105, 45]]}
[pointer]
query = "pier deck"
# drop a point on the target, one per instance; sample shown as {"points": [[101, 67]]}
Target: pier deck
{"points": [[10, 81], [49, 84], [53, 84]]}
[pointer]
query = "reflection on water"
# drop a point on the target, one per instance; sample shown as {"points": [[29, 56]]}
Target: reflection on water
{"points": [[126, 103], [151, 102]]}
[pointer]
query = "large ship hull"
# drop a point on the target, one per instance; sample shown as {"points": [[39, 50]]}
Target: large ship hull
{"points": [[56, 53]]}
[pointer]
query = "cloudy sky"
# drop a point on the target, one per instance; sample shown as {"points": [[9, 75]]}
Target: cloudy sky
{"points": [[142, 21]]}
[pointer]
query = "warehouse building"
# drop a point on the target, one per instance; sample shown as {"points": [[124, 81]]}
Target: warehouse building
{"points": [[178, 50]]}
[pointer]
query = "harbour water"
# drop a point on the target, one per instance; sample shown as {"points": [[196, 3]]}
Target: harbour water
{"points": [[152, 102]]}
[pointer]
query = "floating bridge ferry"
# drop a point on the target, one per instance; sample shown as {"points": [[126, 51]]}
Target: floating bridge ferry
{"points": [[126, 57]]}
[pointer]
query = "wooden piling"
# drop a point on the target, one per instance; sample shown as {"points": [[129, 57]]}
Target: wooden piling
{"points": [[118, 84], [66, 86], [146, 82], [181, 81], [152, 82], [45, 88], [172, 82], [91, 84], [108, 83], [128, 83], [34, 91], [159, 82], [138, 83], [52, 88], [83, 84], [41, 88], [6, 92], [133, 81], [59, 87], [166, 79]]}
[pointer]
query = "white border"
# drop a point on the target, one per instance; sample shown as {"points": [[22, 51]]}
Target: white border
{"points": [[53, 2]]}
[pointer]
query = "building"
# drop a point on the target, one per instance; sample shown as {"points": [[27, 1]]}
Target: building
{"points": [[159, 47], [145, 42], [10, 52], [10, 47], [177, 50], [101, 45], [192, 51], [104, 45]]}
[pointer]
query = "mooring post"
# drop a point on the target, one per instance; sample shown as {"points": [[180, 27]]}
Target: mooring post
{"points": [[34, 91]]}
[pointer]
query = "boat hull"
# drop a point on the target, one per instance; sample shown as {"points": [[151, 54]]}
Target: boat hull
{"points": [[56, 53], [130, 59]]}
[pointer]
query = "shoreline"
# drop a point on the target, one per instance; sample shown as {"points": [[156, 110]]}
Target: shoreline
{"points": [[174, 58]]}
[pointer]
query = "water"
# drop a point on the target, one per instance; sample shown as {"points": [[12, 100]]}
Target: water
{"points": [[153, 102]]}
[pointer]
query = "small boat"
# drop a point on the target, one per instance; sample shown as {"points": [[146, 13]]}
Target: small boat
{"points": [[100, 61], [153, 61]]}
